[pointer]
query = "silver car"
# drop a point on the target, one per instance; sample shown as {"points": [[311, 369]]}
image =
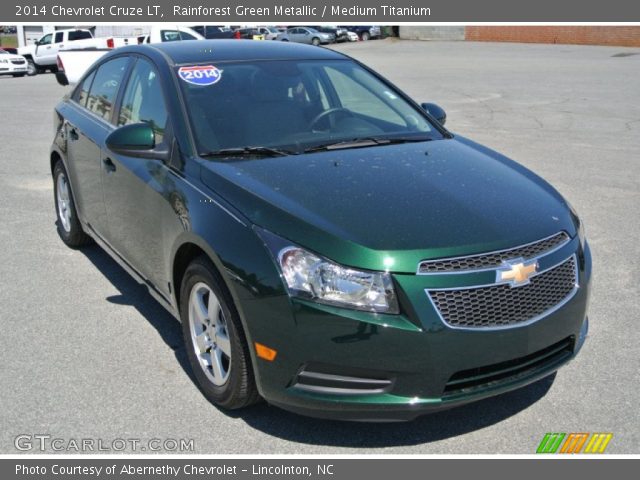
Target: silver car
{"points": [[306, 35]]}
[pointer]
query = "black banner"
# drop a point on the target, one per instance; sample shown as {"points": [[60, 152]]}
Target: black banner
{"points": [[288, 11], [334, 469]]}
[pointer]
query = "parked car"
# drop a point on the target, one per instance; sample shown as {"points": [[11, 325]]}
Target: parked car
{"points": [[365, 32], [352, 260], [11, 50], [249, 33], [352, 36], [306, 35], [12, 64], [269, 33], [213, 31], [340, 34]]}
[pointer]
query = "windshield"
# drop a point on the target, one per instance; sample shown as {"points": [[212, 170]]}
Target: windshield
{"points": [[2, 52], [295, 106]]}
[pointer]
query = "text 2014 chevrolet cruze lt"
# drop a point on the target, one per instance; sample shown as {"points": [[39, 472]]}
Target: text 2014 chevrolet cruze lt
{"points": [[326, 243]]}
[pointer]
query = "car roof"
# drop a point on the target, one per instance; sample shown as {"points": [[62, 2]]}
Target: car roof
{"points": [[199, 51]]}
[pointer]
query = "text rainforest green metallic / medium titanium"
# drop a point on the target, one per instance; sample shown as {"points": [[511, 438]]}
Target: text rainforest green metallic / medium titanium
{"points": [[327, 244]]}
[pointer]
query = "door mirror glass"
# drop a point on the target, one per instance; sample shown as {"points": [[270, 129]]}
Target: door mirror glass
{"points": [[435, 111]]}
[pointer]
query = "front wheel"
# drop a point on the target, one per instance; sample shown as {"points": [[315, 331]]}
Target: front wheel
{"points": [[69, 227], [365, 36], [214, 339], [31, 68], [315, 41]]}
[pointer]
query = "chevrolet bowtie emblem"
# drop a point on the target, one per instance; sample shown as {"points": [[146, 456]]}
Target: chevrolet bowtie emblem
{"points": [[516, 272]]}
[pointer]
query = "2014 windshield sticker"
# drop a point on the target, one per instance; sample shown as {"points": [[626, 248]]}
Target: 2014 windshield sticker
{"points": [[200, 74]]}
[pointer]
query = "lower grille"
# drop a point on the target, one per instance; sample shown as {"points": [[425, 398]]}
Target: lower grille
{"points": [[492, 375], [503, 305]]}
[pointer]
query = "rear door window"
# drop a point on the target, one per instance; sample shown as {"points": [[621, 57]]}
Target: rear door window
{"points": [[82, 92], [104, 89]]}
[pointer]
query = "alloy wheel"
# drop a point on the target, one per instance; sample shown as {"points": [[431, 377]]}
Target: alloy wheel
{"points": [[209, 334], [64, 202]]}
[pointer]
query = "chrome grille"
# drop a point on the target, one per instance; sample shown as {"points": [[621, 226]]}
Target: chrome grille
{"points": [[503, 305], [18, 62], [493, 259]]}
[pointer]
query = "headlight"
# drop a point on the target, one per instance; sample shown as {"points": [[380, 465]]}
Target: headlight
{"points": [[309, 276], [3, 61], [578, 222], [314, 278]]}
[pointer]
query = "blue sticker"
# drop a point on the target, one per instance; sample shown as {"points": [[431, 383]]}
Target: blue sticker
{"points": [[200, 74]]}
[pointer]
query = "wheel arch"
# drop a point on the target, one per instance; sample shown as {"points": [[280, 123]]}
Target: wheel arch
{"points": [[187, 250], [54, 158]]}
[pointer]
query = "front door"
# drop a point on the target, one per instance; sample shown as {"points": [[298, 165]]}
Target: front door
{"points": [[136, 190]]}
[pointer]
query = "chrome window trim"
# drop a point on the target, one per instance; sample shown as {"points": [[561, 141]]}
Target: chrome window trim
{"points": [[525, 323], [493, 252]]}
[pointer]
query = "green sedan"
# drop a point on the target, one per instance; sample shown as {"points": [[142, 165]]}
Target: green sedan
{"points": [[326, 243]]}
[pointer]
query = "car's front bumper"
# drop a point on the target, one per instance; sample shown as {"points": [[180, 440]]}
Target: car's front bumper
{"points": [[12, 69], [336, 363]]}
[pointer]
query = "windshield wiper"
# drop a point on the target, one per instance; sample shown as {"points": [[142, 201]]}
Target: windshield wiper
{"points": [[365, 142], [248, 151]]}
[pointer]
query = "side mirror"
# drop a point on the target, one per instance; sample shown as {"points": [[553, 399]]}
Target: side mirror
{"points": [[435, 111], [136, 140]]}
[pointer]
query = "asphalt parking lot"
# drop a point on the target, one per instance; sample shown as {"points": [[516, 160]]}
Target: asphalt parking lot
{"points": [[87, 353]]}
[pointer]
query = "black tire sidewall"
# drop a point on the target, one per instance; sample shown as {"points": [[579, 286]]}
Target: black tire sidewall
{"points": [[32, 69], [233, 394], [75, 237]]}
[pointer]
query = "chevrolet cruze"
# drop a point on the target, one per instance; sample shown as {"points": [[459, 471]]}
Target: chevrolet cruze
{"points": [[326, 243]]}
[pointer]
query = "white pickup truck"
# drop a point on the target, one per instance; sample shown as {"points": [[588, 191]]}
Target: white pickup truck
{"points": [[43, 55], [72, 62]]}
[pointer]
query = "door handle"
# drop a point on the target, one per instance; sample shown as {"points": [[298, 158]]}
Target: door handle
{"points": [[73, 134], [108, 164]]}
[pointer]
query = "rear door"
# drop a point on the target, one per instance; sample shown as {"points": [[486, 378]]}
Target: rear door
{"points": [[87, 125], [137, 191]]}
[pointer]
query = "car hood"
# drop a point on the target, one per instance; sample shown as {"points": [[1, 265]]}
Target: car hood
{"points": [[12, 56], [394, 204]]}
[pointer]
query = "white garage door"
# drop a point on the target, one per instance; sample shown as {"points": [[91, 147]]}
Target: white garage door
{"points": [[32, 33]]}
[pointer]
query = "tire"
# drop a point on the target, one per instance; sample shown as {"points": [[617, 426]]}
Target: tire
{"points": [[213, 334], [365, 36], [315, 41], [69, 227], [31, 68]]}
